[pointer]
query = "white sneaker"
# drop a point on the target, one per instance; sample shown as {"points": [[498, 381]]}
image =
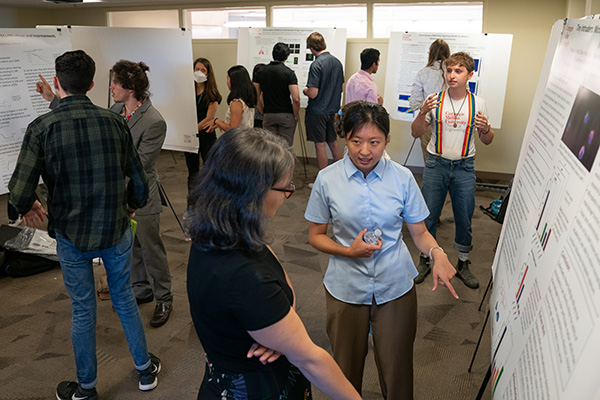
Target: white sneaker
{"points": [[15, 223], [310, 185]]}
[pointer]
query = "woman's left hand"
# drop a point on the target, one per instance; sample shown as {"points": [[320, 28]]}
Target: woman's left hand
{"points": [[265, 354], [443, 272]]}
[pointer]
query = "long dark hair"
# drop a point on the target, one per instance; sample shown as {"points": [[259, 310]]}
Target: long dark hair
{"points": [[211, 92], [227, 204], [241, 86]]}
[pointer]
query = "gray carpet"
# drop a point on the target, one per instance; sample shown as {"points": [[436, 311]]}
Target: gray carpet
{"points": [[35, 345]]}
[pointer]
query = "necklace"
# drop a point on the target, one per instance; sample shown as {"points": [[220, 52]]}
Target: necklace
{"points": [[128, 117], [453, 111]]}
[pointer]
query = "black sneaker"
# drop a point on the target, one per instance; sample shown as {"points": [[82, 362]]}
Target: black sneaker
{"points": [[72, 391], [424, 269], [148, 380], [463, 273]]}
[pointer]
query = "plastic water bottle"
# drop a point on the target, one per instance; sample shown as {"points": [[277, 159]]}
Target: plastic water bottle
{"points": [[371, 237]]}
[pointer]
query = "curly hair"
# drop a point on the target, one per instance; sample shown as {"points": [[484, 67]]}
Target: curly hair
{"points": [[132, 76]]}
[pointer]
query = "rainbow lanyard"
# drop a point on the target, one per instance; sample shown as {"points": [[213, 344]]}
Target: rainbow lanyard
{"points": [[468, 130]]}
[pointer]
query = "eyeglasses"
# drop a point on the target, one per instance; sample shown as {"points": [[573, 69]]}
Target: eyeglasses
{"points": [[288, 192]]}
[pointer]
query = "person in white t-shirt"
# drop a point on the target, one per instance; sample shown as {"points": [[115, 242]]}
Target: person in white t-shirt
{"points": [[456, 116]]}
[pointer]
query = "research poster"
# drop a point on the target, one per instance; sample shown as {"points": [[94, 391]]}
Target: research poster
{"points": [[25, 54], [255, 46], [545, 303], [408, 53], [168, 54]]}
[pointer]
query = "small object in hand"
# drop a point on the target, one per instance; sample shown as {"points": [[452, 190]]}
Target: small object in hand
{"points": [[372, 237]]}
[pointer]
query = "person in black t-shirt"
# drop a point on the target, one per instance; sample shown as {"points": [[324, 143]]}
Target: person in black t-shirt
{"points": [[208, 99], [241, 300], [278, 83]]}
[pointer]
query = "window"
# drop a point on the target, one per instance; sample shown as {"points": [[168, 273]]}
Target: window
{"points": [[352, 17], [144, 19], [427, 17], [224, 22]]}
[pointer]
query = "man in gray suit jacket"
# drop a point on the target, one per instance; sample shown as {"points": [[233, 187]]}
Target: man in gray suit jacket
{"points": [[150, 273], [150, 270]]}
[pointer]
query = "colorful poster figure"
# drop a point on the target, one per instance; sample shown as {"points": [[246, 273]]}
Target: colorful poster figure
{"points": [[581, 133]]}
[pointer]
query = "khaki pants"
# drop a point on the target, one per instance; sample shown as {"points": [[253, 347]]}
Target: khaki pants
{"points": [[394, 328]]}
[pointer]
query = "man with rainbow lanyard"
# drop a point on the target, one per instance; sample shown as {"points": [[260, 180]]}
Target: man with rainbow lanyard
{"points": [[456, 116]]}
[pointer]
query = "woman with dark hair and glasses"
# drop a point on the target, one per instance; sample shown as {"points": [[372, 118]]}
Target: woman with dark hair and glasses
{"points": [[369, 280], [241, 100], [241, 300]]}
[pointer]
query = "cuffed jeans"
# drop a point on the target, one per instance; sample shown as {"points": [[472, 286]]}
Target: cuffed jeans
{"points": [[441, 176], [78, 276]]}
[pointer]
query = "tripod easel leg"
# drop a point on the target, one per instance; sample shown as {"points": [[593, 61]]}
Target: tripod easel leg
{"points": [[164, 196], [486, 379], [489, 285]]}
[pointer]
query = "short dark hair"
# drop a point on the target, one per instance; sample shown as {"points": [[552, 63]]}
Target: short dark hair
{"points": [[368, 57], [75, 71], [241, 86], [316, 41], [281, 51], [132, 76], [227, 203], [365, 113]]}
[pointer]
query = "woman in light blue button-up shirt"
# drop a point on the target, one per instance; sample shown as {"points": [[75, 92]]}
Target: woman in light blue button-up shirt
{"points": [[372, 284]]}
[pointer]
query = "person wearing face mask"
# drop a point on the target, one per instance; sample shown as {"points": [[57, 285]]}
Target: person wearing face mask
{"points": [[208, 99]]}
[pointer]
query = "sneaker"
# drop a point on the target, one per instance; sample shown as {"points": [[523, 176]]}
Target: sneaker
{"points": [[310, 185], [15, 222], [424, 269], [463, 273], [72, 391], [148, 380]]}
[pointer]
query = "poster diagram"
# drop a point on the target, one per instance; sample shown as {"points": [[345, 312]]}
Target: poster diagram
{"points": [[549, 207], [408, 52], [546, 292], [25, 54], [255, 46]]}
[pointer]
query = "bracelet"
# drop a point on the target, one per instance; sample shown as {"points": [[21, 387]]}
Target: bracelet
{"points": [[432, 249], [488, 130], [215, 121]]}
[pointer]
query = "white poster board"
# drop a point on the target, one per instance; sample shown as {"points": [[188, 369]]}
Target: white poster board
{"points": [[545, 303], [408, 52], [255, 46], [25, 54], [168, 53]]}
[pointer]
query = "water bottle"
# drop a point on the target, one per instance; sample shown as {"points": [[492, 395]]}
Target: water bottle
{"points": [[371, 237]]}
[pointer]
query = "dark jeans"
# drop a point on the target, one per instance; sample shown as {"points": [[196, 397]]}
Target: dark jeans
{"points": [[282, 381]]}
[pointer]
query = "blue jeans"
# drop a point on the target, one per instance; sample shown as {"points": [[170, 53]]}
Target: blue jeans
{"points": [[441, 176], [78, 276]]}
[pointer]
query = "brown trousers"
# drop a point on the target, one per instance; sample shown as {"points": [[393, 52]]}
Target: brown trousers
{"points": [[394, 329]]}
